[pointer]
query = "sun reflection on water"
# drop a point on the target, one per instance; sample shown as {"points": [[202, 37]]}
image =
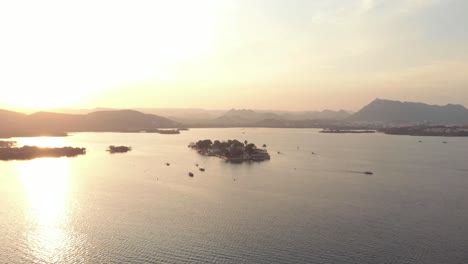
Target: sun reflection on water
{"points": [[47, 187], [49, 142]]}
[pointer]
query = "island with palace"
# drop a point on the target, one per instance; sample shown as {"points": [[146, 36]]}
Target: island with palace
{"points": [[231, 150]]}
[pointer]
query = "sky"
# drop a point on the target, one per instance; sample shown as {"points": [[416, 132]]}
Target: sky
{"points": [[222, 54]]}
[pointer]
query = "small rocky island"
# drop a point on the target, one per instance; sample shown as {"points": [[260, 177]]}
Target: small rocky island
{"points": [[231, 150], [8, 151], [118, 149]]}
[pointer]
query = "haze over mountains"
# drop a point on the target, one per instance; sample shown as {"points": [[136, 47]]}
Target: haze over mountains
{"points": [[196, 116], [377, 112]]}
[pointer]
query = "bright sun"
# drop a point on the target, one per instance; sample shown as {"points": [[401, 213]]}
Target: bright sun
{"points": [[62, 59]]}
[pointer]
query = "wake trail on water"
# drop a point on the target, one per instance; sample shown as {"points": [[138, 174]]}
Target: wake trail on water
{"points": [[335, 171]]}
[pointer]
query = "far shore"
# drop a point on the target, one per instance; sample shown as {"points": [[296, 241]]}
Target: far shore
{"points": [[434, 131], [32, 135]]}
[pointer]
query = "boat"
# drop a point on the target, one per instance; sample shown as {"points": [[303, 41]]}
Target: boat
{"points": [[202, 169], [191, 174], [168, 164], [368, 172]]}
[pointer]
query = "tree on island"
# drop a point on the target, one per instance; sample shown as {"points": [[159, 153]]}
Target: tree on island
{"points": [[204, 144], [236, 148], [250, 148]]}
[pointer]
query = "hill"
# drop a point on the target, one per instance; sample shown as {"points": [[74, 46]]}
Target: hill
{"points": [[247, 117], [125, 120], [222, 118], [47, 123], [395, 111]]}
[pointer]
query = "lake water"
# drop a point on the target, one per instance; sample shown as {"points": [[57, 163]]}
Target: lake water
{"points": [[296, 208]]}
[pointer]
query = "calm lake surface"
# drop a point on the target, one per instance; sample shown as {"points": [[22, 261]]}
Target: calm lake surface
{"points": [[296, 208]]}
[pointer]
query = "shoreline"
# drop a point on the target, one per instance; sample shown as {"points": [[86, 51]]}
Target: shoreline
{"points": [[34, 152]]}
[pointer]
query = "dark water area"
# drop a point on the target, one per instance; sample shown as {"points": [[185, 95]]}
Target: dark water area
{"points": [[312, 203]]}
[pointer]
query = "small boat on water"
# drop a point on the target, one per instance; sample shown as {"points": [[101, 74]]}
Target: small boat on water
{"points": [[196, 164], [445, 142], [202, 169], [368, 172], [168, 164], [191, 174]]}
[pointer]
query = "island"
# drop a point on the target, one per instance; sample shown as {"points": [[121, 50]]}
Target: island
{"points": [[347, 131], [230, 150], [118, 149], [164, 131], [32, 152]]}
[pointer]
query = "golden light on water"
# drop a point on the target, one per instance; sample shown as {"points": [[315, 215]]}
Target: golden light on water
{"points": [[46, 188], [49, 142]]}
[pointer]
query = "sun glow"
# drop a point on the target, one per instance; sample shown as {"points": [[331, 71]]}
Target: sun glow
{"points": [[43, 142], [69, 53], [47, 186]]}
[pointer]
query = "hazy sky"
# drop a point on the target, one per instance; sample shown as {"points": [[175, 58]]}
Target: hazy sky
{"points": [[262, 54]]}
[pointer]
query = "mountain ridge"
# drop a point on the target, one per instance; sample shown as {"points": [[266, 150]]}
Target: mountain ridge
{"points": [[46, 123], [384, 110]]}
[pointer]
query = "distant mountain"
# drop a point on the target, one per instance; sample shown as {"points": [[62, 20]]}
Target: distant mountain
{"points": [[181, 115], [395, 111], [243, 117], [126, 120], [9, 117], [10, 120], [184, 115], [198, 117], [16, 124]]}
